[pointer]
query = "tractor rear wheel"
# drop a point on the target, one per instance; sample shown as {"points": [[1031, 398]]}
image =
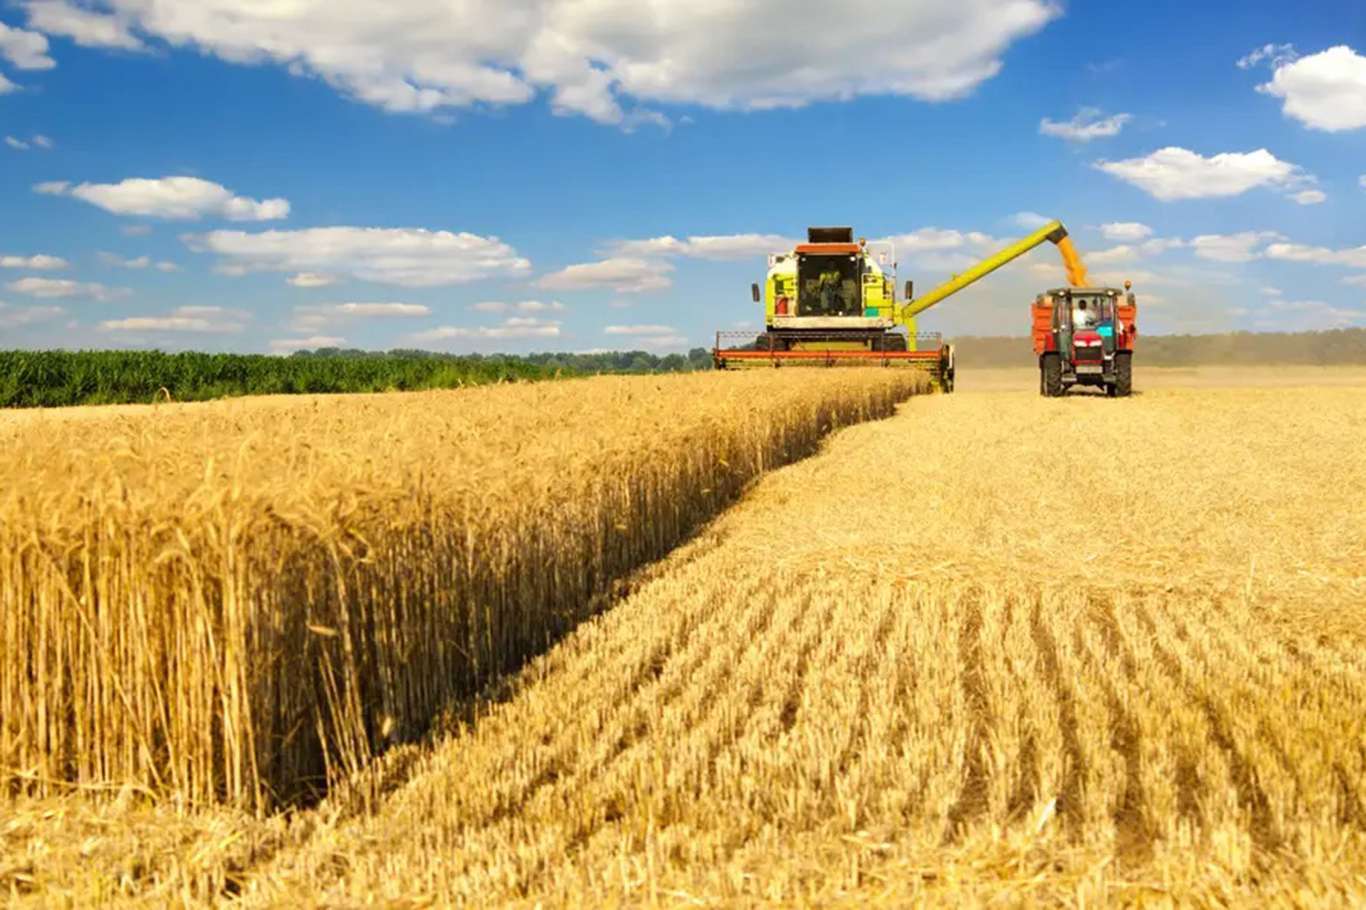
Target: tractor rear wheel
{"points": [[1124, 374], [1050, 375]]}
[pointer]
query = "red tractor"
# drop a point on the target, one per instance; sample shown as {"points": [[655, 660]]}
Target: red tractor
{"points": [[1085, 336]]}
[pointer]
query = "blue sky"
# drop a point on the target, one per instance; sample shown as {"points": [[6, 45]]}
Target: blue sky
{"points": [[588, 174]]}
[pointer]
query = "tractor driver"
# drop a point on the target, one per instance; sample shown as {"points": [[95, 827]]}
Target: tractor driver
{"points": [[1084, 317]]}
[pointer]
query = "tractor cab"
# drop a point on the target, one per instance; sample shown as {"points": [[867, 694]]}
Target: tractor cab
{"points": [[1086, 322]]}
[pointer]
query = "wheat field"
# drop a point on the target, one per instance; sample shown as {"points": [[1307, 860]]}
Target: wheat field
{"points": [[242, 601], [995, 649]]}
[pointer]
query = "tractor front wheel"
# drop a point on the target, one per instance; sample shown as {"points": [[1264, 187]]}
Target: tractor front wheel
{"points": [[1050, 376], [1124, 374]]}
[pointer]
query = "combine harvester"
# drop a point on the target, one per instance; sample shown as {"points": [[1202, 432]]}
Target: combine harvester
{"points": [[832, 302]]}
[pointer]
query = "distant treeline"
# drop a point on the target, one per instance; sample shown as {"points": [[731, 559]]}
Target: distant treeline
{"points": [[1331, 348], [56, 378]]}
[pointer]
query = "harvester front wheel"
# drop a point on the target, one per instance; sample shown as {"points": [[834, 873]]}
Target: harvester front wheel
{"points": [[1050, 375], [1124, 374]]}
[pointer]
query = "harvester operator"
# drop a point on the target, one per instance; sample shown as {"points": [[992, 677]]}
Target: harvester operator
{"points": [[831, 300]]}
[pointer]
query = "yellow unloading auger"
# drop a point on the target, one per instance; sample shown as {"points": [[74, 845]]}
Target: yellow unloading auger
{"points": [[831, 302]]}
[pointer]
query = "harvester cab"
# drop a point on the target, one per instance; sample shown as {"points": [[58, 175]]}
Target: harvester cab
{"points": [[832, 301], [1086, 336]]}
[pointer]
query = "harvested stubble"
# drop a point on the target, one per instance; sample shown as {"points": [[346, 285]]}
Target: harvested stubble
{"points": [[239, 601]]}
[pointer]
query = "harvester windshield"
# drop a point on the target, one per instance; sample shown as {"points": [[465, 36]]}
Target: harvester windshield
{"points": [[829, 285]]}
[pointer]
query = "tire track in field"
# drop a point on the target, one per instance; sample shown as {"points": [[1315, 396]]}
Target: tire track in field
{"points": [[650, 721], [565, 758], [972, 798], [1251, 797], [1025, 791], [1069, 800], [719, 720], [1134, 833], [867, 664], [694, 669]]}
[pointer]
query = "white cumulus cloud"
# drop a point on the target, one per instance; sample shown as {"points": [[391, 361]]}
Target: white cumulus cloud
{"points": [[25, 50], [140, 262], [522, 306], [82, 25], [512, 327], [1174, 173], [1240, 247], [603, 59], [1311, 315], [38, 263], [1275, 54], [6, 87], [38, 141], [1125, 231], [1296, 252], [379, 309], [640, 330], [406, 257], [283, 345], [176, 198], [1309, 197], [655, 337], [934, 240], [13, 317], [316, 317], [137, 262], [1159, 245], [717, 246], [1324, 91], [1029, 221], [208, 320], [62, 287], [1134, 252], [1087, 125], [624, 274], [311, 280], [1114, 255]]}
